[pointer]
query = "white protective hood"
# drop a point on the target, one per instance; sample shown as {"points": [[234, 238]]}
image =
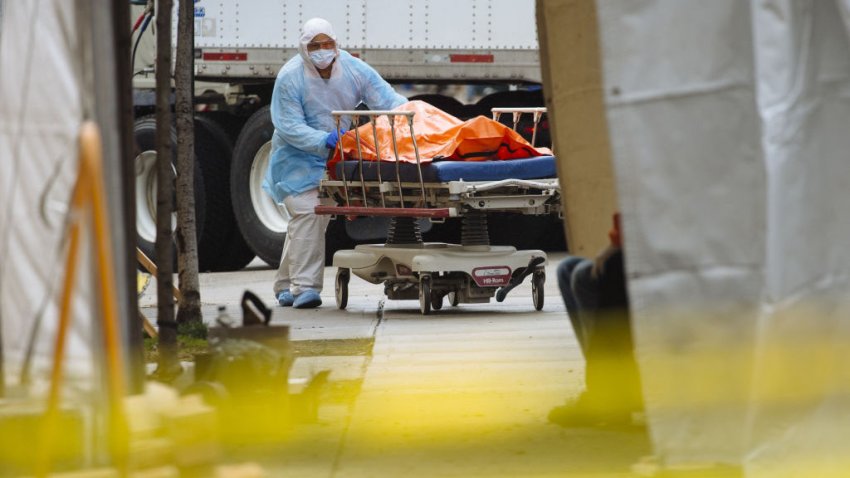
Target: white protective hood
{"points": [[730, 130], [311, 28], [40, 116]]}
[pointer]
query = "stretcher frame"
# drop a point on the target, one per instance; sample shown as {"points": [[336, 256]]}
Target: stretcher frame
{"points": [[471, 272]]}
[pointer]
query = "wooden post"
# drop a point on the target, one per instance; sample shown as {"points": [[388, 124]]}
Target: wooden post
{"points": [[572, 84], [149, 266]]}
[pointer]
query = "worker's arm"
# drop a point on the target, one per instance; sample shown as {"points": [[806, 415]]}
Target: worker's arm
{"points": [[615, 236], [601, 259], [289, 119]]}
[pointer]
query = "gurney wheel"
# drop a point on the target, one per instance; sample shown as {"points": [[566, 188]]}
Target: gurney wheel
{"points": [[425, 294], [538, 279], [342, 277], [454, 299], [436, 301]]}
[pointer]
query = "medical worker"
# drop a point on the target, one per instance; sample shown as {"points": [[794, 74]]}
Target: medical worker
{"points": [[321, 79]]}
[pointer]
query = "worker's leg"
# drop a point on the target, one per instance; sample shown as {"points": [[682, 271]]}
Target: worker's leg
{"points": [[304, 249], [565, 273], [612, 382], [611, 374], [585, 290], [585, 287], [282, 279]]}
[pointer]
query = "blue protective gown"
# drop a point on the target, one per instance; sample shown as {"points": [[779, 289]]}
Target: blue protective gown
{"points": [[301, 107]]}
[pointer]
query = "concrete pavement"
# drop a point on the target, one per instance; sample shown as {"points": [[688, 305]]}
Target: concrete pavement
{"points": [[462, 392]]}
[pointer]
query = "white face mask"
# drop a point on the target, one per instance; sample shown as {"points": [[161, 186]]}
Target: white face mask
{"points": [[322, 58]]}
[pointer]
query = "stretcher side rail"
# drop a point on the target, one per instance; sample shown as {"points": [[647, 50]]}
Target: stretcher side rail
{"points": [[452, 198], [536, 115], [431, 213], [473, 187], [404, 198], [373, 115]]}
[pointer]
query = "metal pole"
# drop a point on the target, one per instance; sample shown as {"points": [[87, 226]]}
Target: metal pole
{"points": [[373, 120], [107, 83], [132, 334], [392, 118], [2, 367], [342, 162], [356, 120], [418, 163]]}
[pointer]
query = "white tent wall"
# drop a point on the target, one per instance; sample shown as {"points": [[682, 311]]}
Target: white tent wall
{"points": [[801, 412], [729, 131], [685, 141], [41, 109]]}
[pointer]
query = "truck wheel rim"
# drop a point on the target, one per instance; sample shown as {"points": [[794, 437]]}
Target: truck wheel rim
{"points": [[273, 217], [146, 196]]}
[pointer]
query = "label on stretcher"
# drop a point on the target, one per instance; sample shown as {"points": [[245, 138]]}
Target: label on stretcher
{"points": [[491, 276]]}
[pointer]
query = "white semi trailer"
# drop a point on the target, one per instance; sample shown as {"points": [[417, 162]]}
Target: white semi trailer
{"points": [[239, 48]]}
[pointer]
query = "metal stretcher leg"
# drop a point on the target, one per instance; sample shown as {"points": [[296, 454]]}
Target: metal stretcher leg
{"points": [[473, 230], [404, 230]]}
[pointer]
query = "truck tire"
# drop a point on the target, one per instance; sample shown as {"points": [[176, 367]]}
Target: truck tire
{"points": [[221, 247], [235, 253], [229, 122], [262, 222], [144, 131]]}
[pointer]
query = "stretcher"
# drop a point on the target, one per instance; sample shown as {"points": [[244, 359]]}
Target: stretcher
{"points": [[473, 271]]}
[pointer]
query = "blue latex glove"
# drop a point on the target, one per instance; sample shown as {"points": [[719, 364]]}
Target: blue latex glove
{"points": [[333, 139]]}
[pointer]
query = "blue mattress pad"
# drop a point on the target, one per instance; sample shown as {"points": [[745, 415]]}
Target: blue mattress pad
{"points": [[443, 171]]}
